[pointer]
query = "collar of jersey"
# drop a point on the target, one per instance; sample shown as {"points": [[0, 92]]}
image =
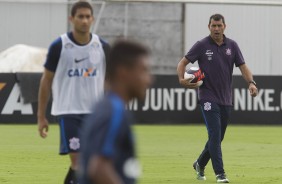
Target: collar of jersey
{"points": [[213, 42], [70, 35]]}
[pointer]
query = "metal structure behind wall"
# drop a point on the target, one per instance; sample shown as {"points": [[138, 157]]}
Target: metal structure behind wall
{"points": [[169, 28], [230, 2]]}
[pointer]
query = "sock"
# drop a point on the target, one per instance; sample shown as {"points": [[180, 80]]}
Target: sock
{"points": [[71, 177]]}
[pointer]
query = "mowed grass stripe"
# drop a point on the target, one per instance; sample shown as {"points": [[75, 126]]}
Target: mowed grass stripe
{"points": [[252, 154]]}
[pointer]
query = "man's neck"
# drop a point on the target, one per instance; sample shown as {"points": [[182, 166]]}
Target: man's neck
{"points": [[81, 38], [121, 92], [219, 42]]}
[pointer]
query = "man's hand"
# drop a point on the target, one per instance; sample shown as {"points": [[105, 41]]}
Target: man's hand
{"points": [[253, 90], [43, 127], [43, 98], [249, 77], [180, 72], [187, 83]]}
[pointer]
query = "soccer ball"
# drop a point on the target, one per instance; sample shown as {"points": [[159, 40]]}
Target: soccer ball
{"points": [[195, 73]]}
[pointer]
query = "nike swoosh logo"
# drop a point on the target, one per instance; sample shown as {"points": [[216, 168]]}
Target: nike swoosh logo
{"points": [[80, 60]]}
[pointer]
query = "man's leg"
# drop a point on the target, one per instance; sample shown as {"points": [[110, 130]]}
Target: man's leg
{"points": [[201, 163], [74, 160], [70, 144], [212, 117], [204, 156], [225, 115], [225, 112], [71, 175]]}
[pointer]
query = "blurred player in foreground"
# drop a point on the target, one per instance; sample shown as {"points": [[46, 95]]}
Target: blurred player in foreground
{"points": [[216, 55], [75, 70], [108, 149]]}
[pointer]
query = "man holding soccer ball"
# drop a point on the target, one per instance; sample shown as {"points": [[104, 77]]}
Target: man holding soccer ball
{"points": [[216, 55]]}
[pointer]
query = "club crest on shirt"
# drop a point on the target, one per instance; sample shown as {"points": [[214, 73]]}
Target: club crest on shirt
{"points": [[74, 143], [228, 52], [209, 54], [95, 45], [207, 106], [69, 46]]}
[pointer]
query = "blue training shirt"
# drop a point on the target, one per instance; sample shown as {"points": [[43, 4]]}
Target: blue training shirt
{"points": [[54, 52], [107, 133]]}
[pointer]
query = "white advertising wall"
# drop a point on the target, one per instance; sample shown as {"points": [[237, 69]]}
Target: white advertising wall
{"points": [[34, 23], [256, 28]]}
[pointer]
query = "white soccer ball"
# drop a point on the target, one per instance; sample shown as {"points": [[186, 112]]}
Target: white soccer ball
{"points": [[195, 74]]}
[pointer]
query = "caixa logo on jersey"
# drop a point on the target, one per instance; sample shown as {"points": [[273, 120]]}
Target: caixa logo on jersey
{"points": [[83, 72]]}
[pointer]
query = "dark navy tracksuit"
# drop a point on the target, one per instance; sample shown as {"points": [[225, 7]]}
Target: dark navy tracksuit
{"points": [[107, 133], [216, 120], [215, 95]]}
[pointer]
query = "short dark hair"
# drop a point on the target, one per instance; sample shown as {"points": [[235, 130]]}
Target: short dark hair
{"points": [[124, 53], [217, 17], [80, 4]]}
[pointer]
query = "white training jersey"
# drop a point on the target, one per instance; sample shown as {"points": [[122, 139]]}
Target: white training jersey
{"points": [[79, 78]]}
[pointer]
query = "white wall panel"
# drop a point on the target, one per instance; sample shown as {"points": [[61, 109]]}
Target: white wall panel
{"points": [[36, 24], [257, 30]]}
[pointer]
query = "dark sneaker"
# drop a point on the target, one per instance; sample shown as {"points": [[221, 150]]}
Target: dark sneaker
{"points": [[199, 171], [221, 178]]}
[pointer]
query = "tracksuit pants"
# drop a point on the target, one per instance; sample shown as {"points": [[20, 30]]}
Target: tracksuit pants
{"points": [[216, 118]]}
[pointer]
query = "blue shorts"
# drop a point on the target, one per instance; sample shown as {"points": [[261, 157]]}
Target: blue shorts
{"points": [[70, 126]]}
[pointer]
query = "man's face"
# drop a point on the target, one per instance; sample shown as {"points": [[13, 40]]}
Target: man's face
{"points": [[82, 20], [139, 78], [217, 29]]}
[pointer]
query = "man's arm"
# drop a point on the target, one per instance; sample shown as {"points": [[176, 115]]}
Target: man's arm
{"points": [[101, 171], [43, 98], [247, 75], [181, 67]]}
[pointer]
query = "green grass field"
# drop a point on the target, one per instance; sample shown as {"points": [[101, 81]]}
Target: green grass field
{"points": [[252, 154]]}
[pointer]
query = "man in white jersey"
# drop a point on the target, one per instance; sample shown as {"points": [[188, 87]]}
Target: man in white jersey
{"points": [[75, 71]]}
